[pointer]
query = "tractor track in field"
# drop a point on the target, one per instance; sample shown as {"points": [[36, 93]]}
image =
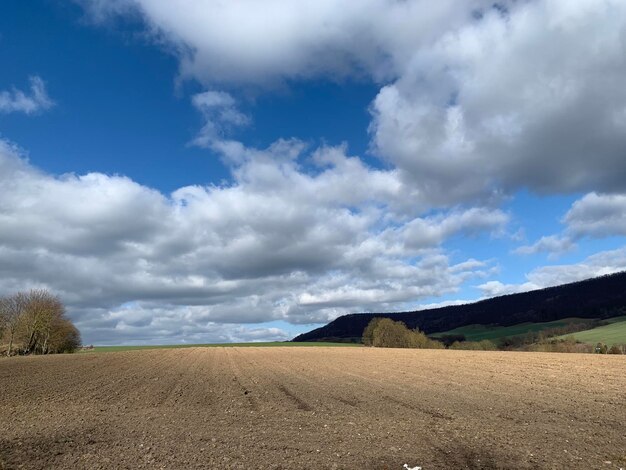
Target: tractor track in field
{"points": [[284, 408]]}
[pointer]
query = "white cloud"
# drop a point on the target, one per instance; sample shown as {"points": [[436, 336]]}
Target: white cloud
{"points": [[277, 244], [433, 230], [251, 42], [143, 324], [445, 303], [220, 112], [597, 215], [530, 99], [17, 101], [478, 100], [594, 215], [496, 288], [599, 264], [553, 245]]}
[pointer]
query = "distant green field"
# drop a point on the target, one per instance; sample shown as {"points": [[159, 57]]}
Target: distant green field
{"points": [[480, 332], [216, 345], [613, 333]]}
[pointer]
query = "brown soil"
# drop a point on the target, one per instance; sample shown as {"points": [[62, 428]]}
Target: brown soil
{"points": [[304, 408]]}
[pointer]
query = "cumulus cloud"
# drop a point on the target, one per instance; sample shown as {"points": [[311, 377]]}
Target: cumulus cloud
{"points": [[431, 231], [17, 101], [477, 99], [599, 264], [249, 42], [597, 215], [594, 215], [277, 243], [136, 323], [527, 99], [553, 245]]}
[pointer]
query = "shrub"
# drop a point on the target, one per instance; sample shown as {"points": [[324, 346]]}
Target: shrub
{"points": [[368, 333], [615, 349], [567, 345], [386, 333], [391, 334], [448, 340]]}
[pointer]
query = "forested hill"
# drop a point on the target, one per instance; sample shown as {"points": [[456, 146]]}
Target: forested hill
{"points": [[600, 297]]}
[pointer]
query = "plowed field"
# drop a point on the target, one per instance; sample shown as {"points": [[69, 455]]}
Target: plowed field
{"points": [[306, 408]]}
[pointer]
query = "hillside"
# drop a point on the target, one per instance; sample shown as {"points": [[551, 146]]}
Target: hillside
{"points": [[613, 333], [491, 332], [600, 297]]}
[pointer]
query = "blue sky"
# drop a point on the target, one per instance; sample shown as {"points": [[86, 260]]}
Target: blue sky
{"points": [[225, 172]]}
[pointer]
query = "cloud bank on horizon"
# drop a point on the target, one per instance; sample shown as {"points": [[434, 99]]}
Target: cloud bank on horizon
{"points": [[476, 102]]}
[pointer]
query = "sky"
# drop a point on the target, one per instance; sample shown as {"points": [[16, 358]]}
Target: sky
{"points": [[219, 171]]}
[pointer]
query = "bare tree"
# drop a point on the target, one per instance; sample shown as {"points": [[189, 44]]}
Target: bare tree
{"points": [[12, 309], [35, 323], [42, 311], [64, 337]]}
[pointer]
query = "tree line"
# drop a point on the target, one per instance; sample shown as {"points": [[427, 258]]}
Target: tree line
{"points": [[35, 322], [385, 333]]}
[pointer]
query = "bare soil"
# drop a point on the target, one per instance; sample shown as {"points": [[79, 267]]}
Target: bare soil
{"points": [[303, 408]]}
